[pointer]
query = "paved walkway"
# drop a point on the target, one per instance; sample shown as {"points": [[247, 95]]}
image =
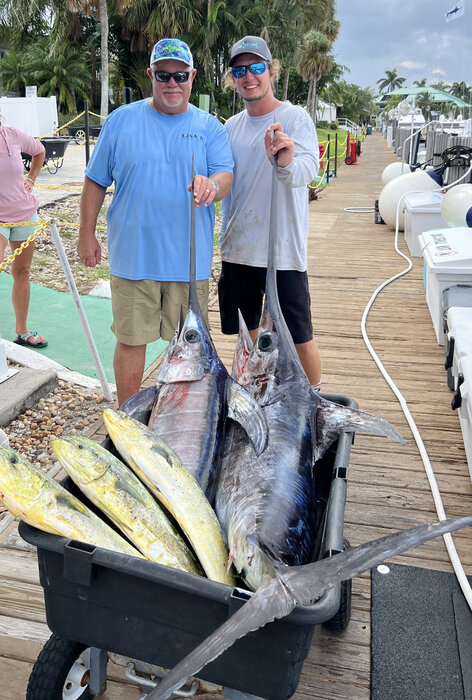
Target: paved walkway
{"points": [[70, 174]]}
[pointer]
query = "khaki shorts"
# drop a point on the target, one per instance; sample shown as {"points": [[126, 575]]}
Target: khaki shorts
{"points": [[146, 310]]}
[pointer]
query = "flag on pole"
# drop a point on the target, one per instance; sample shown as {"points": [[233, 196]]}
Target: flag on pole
{"points": [[456, 11]]}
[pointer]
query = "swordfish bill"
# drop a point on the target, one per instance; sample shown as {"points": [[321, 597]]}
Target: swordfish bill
{"points": [[302, 585]]}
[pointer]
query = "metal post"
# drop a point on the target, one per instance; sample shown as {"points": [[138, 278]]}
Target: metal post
{"points": [[87, 137], [336, 154], [327, 159], [80, 309], [127, 95]]}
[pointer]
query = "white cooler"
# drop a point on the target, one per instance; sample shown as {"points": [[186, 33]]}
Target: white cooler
{"points": [[459, 324], [463, 401], [447, 257], [422, 213]]}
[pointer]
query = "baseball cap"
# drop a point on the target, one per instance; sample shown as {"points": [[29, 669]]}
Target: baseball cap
{"points": [[171, 48], [250, 44]]}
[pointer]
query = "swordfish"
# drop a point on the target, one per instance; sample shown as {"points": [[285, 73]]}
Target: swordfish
{"points": [[194, 394], [266, 503]]}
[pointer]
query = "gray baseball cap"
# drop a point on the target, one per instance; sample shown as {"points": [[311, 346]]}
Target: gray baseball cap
{"points": [[250, 44]]}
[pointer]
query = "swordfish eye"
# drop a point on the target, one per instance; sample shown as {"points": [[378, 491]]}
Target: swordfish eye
{"points": [[192, 336], [265, 342]]}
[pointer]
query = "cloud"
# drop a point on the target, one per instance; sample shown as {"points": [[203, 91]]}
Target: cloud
{"points": [[412, 65], [438, 71]]}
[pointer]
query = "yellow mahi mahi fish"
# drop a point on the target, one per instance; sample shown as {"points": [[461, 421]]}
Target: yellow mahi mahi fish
{"points": [[117, 491], [173, 485], [36, 498]]}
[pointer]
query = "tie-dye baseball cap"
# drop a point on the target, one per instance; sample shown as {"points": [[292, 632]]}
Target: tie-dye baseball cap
{"points": [[171, 48]]}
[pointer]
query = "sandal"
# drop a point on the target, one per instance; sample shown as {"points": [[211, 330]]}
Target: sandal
{"points": [[30, 338]]}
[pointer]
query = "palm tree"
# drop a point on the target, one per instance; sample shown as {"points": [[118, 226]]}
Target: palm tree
{"points": [[63, 72], [460, 90], [423, 101], [356, 102], [66, 24], [316, 62], [297, 18], [392, 81], [12, 72], [420, 83]]}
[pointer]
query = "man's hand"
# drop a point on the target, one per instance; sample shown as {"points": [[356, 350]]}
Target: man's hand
{"points": [[204, 191], [280, 144], [89, 251]]}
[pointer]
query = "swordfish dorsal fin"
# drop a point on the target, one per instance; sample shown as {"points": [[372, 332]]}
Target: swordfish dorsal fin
{"points": [[297, 585]]}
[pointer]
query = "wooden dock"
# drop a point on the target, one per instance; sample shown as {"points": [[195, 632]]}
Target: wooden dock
{"points": [[349, 257]]}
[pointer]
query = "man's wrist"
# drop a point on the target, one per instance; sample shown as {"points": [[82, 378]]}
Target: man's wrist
{"points": [[30, 179], [216, 186]]}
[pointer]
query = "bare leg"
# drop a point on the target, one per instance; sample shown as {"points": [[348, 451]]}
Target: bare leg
{"points": [[310, 358], [128, 364], [3, 245], [20, 270]]}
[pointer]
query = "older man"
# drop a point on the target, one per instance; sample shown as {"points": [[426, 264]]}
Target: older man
{"points": [[265, 127], [146, 149]]}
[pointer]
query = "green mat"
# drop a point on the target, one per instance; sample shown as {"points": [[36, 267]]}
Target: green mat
{"points": [[54, 315]]}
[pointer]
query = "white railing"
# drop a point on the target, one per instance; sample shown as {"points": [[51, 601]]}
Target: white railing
{"points": [[348, 125]]}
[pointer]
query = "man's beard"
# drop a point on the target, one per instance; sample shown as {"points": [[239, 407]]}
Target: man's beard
{"points": [[255, 99]]}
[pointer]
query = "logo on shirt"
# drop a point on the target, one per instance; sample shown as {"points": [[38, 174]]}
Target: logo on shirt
{"points": [[192, 137]]}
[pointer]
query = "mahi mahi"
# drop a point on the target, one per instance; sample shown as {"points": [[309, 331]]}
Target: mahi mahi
{"points": [[173, 485], [33, 496], [110, 485]]}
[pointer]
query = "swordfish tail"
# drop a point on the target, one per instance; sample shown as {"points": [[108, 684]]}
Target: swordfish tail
{"points": [[279, 596]]}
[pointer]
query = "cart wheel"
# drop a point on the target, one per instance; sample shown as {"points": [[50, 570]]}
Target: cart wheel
{"points": [[349, 160], [61, 672], [80, 136], [340, 621]]}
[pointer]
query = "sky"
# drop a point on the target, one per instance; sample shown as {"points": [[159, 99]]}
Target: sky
{"points": [[409, 35]]}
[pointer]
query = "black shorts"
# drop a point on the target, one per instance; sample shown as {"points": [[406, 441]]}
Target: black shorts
{"points": [[242, 287]]}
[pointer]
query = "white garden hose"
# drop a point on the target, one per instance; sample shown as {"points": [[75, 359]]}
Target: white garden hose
{"points": [[450, 546]]}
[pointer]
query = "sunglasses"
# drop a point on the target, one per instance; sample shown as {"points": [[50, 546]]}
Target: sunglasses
{"points": [[163, 76], [254, 68]]}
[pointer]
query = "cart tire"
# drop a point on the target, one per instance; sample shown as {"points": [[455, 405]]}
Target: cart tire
{"points": [[349, 160], [51, 669], [79, 136], [340, 621]]}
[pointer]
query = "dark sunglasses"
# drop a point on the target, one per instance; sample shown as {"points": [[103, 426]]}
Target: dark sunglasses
{"points": [[254, 68], [163, 76]]}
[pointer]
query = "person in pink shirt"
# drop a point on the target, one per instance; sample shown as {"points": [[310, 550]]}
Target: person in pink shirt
{"points": [[18, 204]]}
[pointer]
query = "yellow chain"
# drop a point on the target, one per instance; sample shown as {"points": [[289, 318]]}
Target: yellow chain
{"points": [[100, 116], [42, 225], [58, 128]]}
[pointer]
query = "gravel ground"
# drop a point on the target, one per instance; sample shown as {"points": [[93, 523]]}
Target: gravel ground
{"points": [[68, 408]]}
